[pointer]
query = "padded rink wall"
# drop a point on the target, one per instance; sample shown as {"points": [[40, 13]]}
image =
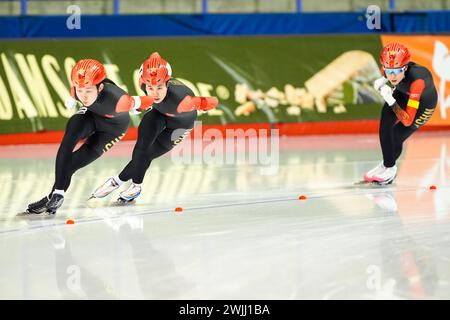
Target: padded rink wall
{"points": [[314, 84]]}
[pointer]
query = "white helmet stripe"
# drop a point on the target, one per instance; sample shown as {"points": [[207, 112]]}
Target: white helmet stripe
{"points": [[169, 69]]}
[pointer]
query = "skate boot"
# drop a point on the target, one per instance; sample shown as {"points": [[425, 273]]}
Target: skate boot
{"points": [[368, 177], [386, 176], [105, 189], [38, 206], [54, 203], [127, 196]]}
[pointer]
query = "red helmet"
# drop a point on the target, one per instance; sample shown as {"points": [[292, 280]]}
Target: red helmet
{"points": [[87, 72], [394, 55], [155, 70]]}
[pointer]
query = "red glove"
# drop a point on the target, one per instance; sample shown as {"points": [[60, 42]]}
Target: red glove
{"points": [[145, 102], [197, 103], [127, 103]]}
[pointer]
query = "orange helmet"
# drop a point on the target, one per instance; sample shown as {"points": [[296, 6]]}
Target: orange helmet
{"points": [[155, 70], [394, 55], [87, 72]]}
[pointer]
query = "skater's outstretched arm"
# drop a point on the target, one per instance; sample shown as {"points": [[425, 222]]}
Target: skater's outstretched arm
{"points": [[134, 103], [190, 103]]}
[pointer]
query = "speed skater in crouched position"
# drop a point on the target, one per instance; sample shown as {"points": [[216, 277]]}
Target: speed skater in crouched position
{"points": [[167, 123], [102, 120], [409, 104]]}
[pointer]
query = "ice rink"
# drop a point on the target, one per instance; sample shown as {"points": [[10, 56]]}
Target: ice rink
{"points": [[243, 233]]}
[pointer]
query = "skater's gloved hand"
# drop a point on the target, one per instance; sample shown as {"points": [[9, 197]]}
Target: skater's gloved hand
{"points": [[70, 103], [197, 103], [377, 84], [386, 93]]}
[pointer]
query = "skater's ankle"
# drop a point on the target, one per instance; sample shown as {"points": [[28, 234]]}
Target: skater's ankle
{"points": [[118, 180], [58, 191]]}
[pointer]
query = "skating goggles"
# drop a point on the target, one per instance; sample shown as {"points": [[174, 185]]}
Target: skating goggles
{"points": [[394, 70]]}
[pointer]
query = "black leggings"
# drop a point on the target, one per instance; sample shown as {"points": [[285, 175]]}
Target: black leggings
{"points": [[79, 127], [154, 140], [393, 133]]}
